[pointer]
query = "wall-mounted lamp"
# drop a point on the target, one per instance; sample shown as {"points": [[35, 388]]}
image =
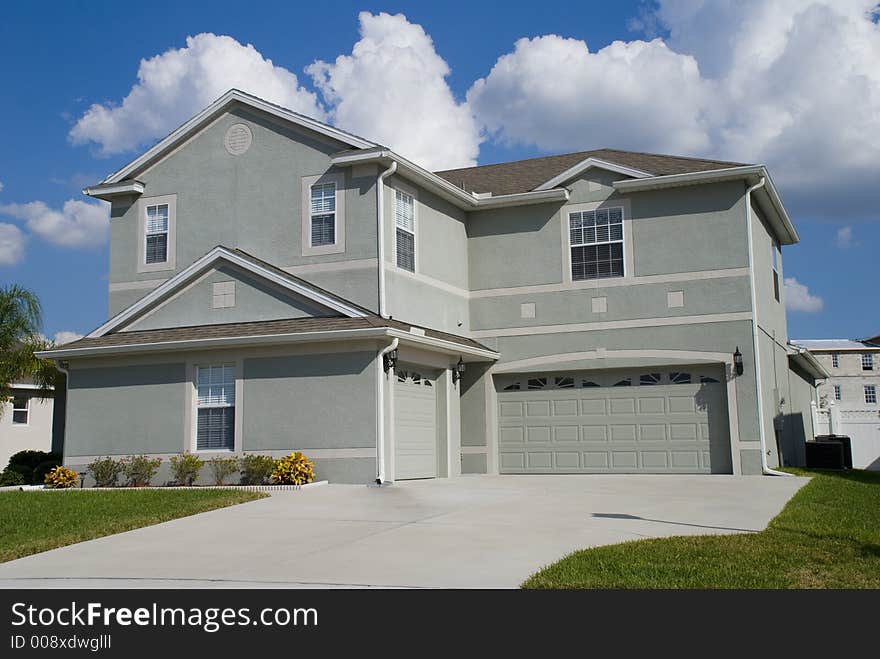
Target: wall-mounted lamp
{"points": [[738, 361], [389, 359], [458, 371]]}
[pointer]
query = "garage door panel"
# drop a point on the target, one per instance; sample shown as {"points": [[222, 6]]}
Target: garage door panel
{"points": [[415, 427], [654, 425]]}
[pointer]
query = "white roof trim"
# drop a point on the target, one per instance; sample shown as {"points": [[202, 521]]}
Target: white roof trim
{"points": [[805, 359], [787, 234], [450, 192], [103, 191], [217, 106], [589, 163], [208, 260]]}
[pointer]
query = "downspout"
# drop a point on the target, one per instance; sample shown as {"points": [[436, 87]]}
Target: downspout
{"points": [[380, 412], [765, 468], [380, 231]]}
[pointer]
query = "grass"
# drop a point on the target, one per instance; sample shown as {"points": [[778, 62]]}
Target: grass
{"points": [[31, 522], [827, 536]]}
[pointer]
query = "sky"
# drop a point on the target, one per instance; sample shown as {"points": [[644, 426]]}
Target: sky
{"points": [[793, 84]]}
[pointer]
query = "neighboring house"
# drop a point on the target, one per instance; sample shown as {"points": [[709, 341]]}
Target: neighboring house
{"points": [[25, 422], [848, 398], [567, 314]]}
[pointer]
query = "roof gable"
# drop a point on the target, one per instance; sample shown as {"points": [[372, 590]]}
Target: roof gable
{"points": [[206, 116], [260, 270]]}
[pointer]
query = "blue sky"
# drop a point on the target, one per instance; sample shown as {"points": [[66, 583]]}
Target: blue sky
{"points": [[790, 105]]}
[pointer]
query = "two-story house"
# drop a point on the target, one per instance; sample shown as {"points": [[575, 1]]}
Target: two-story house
{"points": [[848, 397], [276, 283]]}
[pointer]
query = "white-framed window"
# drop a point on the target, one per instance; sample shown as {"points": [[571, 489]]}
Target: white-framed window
{"points": [[835, 360], [405, 230], [215, 407], [322, 214], [837, 395], [871, 394], [596, 241], [868, 361], [156, 229], [775, 257], [20, 410]]}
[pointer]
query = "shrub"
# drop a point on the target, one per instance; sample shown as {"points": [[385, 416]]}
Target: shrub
{"points": [[139, 469], [293, 469], [222, 468], [10, 477], [105, 471], [27, 462], [256, 469], [61, 477], [186, 467]]}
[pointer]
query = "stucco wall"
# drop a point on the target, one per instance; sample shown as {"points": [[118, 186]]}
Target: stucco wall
{"points": [[36, 435]]}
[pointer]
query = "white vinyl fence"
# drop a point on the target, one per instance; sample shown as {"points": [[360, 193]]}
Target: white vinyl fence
{"points": [[862, 426]]}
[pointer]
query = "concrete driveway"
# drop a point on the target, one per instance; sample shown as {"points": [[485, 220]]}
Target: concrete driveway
{"points": [[468, 532]]}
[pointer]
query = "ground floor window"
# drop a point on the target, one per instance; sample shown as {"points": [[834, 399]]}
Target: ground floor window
{"points": [[215, 426], [20, 410]]}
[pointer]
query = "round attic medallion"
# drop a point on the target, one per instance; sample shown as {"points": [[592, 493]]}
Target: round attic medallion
{"points": [[238, 139]]}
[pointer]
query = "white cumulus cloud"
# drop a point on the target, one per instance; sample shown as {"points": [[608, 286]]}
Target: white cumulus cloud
{"points": [[799, 298], [392, 89], [12, 241], [76, 224], [844, 237], [177, 84], [66, 336]]}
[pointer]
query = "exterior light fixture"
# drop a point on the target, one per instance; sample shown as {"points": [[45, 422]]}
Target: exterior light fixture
{"points": [[738, 361], [389, 359], [458, 371]]}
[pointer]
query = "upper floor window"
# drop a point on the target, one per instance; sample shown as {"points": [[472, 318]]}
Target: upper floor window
{"points": [[837, 394], [405, 230], [871, 394], [776, 257], [868, 362], [156, 234], [596, 238], [835, 360], [322, 214], [20, 410]]}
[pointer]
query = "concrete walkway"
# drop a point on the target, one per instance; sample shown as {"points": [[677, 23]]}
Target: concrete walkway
{"points": [[468, 532]]}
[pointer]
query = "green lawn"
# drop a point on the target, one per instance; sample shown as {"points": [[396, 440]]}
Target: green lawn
{"points": [[32, 522], [827, 536]]}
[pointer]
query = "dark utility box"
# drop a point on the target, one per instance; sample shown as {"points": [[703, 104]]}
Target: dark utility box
{"points": [[824, 455], [847, 447]]}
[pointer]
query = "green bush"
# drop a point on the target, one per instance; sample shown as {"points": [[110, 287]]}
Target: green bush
{"points": [[140, 469], [185, 468], [27, 462], [256, 469], [10, 477], [105, 471], [293, 469], [222, 468]]}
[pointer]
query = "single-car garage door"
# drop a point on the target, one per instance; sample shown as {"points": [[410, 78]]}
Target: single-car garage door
{"points": [[415, 425], [651, 421]]}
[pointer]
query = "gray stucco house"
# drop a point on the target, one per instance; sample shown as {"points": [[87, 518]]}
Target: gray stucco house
{"points": [[276, 283]]}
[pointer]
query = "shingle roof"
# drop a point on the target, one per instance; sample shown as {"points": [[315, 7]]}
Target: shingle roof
{"points": [[814, 345], [257, 328], [526, 175]]}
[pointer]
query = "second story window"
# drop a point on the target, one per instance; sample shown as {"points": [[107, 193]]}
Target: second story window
{"points": [[596, 243], [323, 214], [405, 230], [835, 360], [156, 244], [837, 395], [871, 394], [868, 362], [775, 259]]}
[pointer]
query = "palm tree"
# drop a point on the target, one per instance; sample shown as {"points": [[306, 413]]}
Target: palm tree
{"points": [[20, 320]]}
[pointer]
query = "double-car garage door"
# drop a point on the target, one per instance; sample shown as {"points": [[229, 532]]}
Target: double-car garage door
{"points": [[650, 421]]}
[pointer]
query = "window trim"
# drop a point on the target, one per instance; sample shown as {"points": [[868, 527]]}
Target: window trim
{"points": [[868, 361], [412, 192], [337, 247], [26, 409], [837, 392], [192, 384], [776, 267], [873, 393], [566, 241], [835, 360], [170, 262]]}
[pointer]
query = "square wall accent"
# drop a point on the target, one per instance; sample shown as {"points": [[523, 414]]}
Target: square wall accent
{"points": [[527, 310], [224, 295], [675, 299], [599, 304]]}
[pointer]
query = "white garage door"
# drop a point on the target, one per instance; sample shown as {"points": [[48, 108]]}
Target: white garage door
{"points": [[415, 429], [652, 421]]}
